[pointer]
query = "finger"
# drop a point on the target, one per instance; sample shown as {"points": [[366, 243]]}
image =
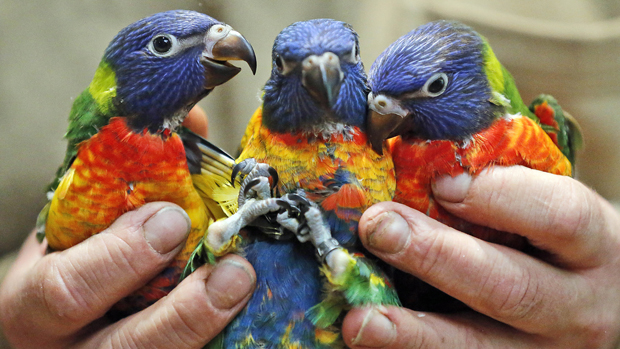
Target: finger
{"points": [[395, 327], [556, 213], [30, 252], [495, 280], [191, 315], [67, 290], [197, 121]]}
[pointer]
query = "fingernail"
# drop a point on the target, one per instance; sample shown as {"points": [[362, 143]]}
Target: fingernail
{"points": [[377, 330], [167, 229], [452, 189], [389, 234], [228, 284]]}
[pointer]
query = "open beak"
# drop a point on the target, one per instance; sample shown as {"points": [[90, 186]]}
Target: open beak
{"points": [[222, 45], [381, 127], [322, 77]]}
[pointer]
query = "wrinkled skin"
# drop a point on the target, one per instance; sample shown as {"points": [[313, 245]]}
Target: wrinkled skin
{"points": [[568, 297], [59, 300]]}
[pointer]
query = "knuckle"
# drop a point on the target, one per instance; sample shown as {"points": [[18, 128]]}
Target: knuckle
{"points": [[431, 250], [571, 208], [119, 257], [185, 326], [521, 301], [513, 298], [120, 339], [502, 183], [62, 292]]}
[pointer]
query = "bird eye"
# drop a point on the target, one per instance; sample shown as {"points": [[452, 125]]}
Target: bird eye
{"points": [[436, 85], [163, 45], [284, 67], [279, 63]]}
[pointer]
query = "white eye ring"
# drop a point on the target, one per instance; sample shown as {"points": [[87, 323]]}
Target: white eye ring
{"points": [[284, 66], [164, 45], [353, 56], [435, 85]]}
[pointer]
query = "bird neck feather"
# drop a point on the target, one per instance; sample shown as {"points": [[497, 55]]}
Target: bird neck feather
{"points": [[501, 81], [103, 87]]}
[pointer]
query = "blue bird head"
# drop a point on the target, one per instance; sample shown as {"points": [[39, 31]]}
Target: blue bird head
{"points": [[317, 81], [163, 64], [431, 84]]}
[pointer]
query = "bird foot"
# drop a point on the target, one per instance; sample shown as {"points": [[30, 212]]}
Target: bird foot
{"points": [[304, 218], [254, 201], [251, 173]]}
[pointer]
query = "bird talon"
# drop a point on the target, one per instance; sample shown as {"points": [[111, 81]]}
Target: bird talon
{"points": [[253, 183], [233, 176], [304, 203], [274, 174], [243, 169]]}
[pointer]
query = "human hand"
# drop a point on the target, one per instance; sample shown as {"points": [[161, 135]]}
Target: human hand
{"points": [[569, 298], [59, 300]]}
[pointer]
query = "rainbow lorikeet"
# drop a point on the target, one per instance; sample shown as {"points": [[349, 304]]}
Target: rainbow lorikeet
{"points": [[123, 149], [456, 109], [311, 130]]}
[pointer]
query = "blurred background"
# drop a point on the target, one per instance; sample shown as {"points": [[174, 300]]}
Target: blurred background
{"points": [[49, 51]]}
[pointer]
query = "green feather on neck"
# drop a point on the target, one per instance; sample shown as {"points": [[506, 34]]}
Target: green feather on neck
{"points": [[502, 83], [91, 110], [103, 87]]}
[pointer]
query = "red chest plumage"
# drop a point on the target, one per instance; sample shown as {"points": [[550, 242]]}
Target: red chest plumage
{"points": [[115, 171], [517, 141]]}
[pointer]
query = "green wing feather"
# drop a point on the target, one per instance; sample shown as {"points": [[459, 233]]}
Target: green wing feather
{"points": [[198, 258], [558, 122], [560, 126]]}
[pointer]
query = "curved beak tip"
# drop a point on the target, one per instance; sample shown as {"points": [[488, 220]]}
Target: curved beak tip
{"points": [[381, 127], [235, 47], [377, 146], [232, 47], [251, 61]]}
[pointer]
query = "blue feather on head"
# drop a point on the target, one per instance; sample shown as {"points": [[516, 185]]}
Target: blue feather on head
{"points": [[444, 50], [165, 63], [149, 85], [288, 105]]}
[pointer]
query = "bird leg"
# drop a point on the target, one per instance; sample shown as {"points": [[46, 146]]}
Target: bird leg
{"points": [[305, 219], [254, 201]]}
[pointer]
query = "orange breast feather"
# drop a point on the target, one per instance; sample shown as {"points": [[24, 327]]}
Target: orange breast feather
{"points": [[516, 141], [308, 161], [115, 171]]}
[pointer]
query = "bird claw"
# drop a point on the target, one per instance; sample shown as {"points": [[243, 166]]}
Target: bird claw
{"points": [[304, 203], [254, 177], [242, 169], [293, 211], [252, 168], [296, 205], [305, 219], [222, 235]]}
